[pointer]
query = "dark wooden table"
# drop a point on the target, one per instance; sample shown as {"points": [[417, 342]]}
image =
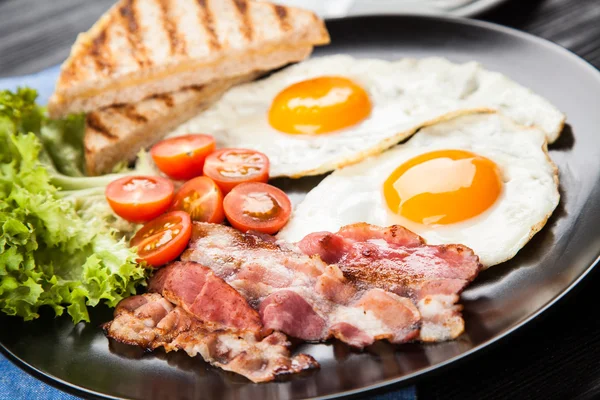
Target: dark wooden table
{"points": [[555, 357]]}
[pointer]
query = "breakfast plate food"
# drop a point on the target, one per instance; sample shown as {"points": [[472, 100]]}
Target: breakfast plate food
{"points": [[366, 300]]}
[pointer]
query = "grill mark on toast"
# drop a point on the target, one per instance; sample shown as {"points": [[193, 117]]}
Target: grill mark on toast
{"points": [[68, 74], [207, 20], [98, 51], [195, 88], [282, 14], [72, 70], [134, 38], [129, 112], [246, 27], [94, 121], [176, 42], [165, 98]]}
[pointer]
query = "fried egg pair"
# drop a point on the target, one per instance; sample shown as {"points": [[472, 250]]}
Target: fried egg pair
{"points": [[328, 112], [479, 180]]}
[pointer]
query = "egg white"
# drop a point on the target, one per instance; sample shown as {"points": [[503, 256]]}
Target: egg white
{"points": [[405, 95], [529, 193]]}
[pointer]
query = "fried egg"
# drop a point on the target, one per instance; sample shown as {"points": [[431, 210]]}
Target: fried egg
{"points": [[324, 113], [479, 180]]}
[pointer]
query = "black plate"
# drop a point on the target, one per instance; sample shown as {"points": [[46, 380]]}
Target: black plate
{"points": [[80, 358]]}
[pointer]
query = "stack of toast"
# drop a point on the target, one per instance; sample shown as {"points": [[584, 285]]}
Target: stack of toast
{"points": [[149, 65]]}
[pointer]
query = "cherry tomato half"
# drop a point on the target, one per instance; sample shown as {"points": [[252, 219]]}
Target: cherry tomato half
{"points": [[182, 157], [257, 206], [163, 239], [140, 198], [202, 199], [230, 167]]}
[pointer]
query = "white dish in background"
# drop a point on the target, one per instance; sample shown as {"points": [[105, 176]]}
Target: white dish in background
{"points": [[345, 8]]}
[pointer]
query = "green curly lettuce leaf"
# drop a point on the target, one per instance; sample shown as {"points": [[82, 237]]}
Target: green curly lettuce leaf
{"points": [[60, 245]]}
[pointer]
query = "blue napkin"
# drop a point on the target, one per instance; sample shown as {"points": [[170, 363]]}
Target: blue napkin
{"points": [[16, 384], [42, 81]]}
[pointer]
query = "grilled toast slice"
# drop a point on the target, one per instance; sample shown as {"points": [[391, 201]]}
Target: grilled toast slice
{"points": [[117, 133], [141, 48]]}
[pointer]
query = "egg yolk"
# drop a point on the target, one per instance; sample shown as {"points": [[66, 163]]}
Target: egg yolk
{"points": [[443, 187], [319, 105]]}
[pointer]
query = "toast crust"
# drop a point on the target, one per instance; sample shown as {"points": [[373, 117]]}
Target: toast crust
{"points": [[118, 133], [141, 48]]}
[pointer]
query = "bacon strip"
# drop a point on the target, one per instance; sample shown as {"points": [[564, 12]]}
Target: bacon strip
{"points": [[207, 297], [235, 295], [150, 321], [286, 309], [397, 260], [399, 299]]}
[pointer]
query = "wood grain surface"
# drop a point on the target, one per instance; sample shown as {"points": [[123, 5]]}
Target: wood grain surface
{"points": [[557, 356]]}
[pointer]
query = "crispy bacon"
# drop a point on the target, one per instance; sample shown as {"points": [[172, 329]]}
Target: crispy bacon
{"points": [[397, 260], [150, 321], [379, 284], [287, 311], [201, 293], [235, 295]]}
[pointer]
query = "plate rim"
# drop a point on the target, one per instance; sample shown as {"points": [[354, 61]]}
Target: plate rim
{"points": [[469, 10], [408, 379]]}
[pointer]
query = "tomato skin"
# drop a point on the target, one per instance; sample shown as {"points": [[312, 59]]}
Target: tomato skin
{"points": [[231, 167], [182, 157], [148, 239], [140, 198], [202, 199], [257, 206]]}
